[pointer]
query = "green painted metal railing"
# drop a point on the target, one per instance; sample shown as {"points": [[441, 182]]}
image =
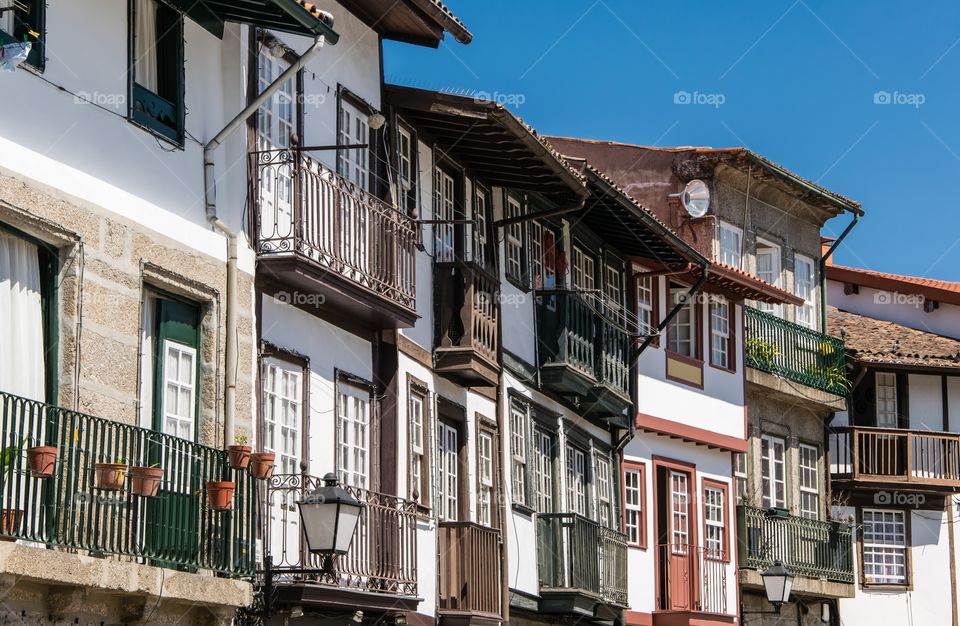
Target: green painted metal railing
{"points": [[577, 553], [795, 352], [806, 547], [176, 528]]}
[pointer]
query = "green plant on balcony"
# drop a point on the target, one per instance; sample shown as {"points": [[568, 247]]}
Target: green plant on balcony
{"points": [[761, 353], [833, 376]]}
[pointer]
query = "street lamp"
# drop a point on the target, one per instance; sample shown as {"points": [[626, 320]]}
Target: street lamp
{"points": [[778, 583], [330, 516]]}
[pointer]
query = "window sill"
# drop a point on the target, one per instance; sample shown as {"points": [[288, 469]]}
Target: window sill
{"points": [[523, 509], [728, 370]]}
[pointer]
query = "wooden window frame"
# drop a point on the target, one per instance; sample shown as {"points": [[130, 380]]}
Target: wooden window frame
{"points": [[373, 435], [272, 351], [724, 488], [136, 93], [731, 334], [908, 551], [641, 468], [417, 386]]}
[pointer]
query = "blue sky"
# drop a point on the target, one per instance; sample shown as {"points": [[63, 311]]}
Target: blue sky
{"points": [[797, 81]]}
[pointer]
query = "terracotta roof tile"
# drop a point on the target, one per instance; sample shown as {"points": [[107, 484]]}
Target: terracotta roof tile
{"points": [[881, 342], [941, 290]]}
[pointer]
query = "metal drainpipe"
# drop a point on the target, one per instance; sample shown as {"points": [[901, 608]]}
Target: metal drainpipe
{"points": [[857, 214], [230, 352]]}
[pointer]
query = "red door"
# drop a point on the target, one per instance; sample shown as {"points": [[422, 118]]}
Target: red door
{"points": [[677, 573]]}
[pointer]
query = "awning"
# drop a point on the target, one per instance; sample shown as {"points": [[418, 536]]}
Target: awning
{"points": [[490, 142], [292, 16]]}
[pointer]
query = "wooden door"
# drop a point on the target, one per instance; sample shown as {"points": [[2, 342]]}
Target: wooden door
{"points": [[675, 564]]}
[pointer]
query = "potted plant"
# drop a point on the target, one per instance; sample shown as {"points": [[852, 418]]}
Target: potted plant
{"points": [[220, 494], [9, 517], [261, 464], [109, 476], [145, 481], [238, 455], [41, 460]]}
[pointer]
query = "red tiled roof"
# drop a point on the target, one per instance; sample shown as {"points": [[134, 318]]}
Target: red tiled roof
{"points": [[931, 288], [748, 285], [876, 341]]}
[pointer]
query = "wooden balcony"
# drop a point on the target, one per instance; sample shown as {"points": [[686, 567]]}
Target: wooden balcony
{"points": [[882, 458], [692, 582], [795, 352], [583, 352], [377, 574], [329, 247], [466, 301], [806, 547], [583, 566], [470, 575]]}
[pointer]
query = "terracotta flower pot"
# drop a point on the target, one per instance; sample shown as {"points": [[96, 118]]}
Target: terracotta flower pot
{"points": [[145, 481], [261, 464], [8, 523], [220, 494], [239, 457], [42, 460], [109, 476]]}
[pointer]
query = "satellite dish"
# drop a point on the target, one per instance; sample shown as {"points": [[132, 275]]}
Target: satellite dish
{"points": [[695, 198]]}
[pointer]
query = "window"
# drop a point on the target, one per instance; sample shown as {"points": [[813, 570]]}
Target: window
{"points": [[353, 163], [886, 384], [803, 279], [485, 455], [884, 547], [604, 500], [809, 482], [543, 448], [179, 400], [740, 474], [22, 309], [353, 425], [157, 68], [514, 240], [679, 512], [634, 500], [447, 467], [613, 292], [275, 128], [729, 244], [444, 247], [714, 522], [774, 472], [681, 332], [583, 271], [21, 19], [407, 169], [419, 479], [646, 303], [480, 253], [768, 270], [544, 258], [721, 337], [518, 452], [282, 413], [576, 480]]}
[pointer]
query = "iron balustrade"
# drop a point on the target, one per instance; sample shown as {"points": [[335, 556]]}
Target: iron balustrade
{"points": [[806, 547], [470, 577], [692, 578], [578, 330], [176, 528], [795, 352], [893, 454], [383, 553], [305, 208], [577, 553]]}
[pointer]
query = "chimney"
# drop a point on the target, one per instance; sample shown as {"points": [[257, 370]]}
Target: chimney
{"points": [[825, 243]]}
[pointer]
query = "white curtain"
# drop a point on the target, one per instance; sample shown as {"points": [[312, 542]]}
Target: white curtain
{"points": [[21, 319], [145, 48]]}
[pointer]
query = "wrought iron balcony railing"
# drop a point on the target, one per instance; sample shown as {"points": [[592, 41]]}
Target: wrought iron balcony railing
{"points": [[806, 547], [175, 528], [692, 578], [382, 556], [304, 208], [576, 553], [795, 352], [892, 455]]}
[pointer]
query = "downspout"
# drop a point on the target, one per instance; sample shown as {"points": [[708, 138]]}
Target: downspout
{"points": [[857, 214], [230, 352]]}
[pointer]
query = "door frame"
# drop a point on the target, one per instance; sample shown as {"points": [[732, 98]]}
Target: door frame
{"points": [[667, 464]]}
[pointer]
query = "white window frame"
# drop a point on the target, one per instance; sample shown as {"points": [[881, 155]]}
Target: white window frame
{"points": [[770, 463], [885, 384], [613, 290], [405, 158], [885, 547], [720, 332], [354, 163], [536, 255], [182, 425], [543, 445], [774, 275], [418, 428], [604, 482], [715, 521], [513, 243], [686, 317], [740, 476], [518, 453], [448, 467], [353, 439], [485, 474], [804, 286], [576, 461], [282, 400], [729, 250], [633, 504], [444, 206], [809, 470], [584, 268], [679, 512], [480, 226], [645, 303]]}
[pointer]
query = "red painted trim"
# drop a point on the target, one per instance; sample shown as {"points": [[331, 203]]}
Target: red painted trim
{"points": [[725, 488], [640, 467], [636, 618], [691, 434], [691, 470]]}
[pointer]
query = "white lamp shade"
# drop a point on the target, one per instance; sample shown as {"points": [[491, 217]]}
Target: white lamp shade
{"points": [[330, 516], [778, 583]]}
